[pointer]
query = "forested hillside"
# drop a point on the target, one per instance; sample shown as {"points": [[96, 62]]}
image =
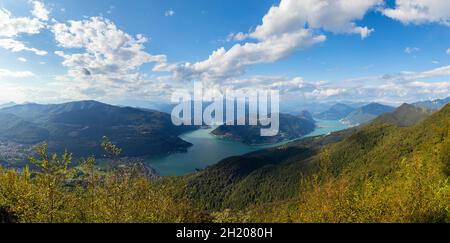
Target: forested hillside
{"points": [[380, 172], [290, 127], [80, 126]]}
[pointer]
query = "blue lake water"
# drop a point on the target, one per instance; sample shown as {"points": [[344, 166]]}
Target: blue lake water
{"points": [[208, 150]]}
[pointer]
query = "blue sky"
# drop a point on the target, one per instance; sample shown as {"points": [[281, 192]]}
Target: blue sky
{"points": [[312, 50]]}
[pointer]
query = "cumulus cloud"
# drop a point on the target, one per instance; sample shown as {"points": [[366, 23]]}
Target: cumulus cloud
{"points": [[297, 24], [104, 61], [420, 11], [40, 11], [18, 46], [336, 16], [223, 64], [5, 73], [12, 27], [285, 29], [110, 58]]}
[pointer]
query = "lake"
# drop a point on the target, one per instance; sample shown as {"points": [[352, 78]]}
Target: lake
{"points": [[208, 150]]}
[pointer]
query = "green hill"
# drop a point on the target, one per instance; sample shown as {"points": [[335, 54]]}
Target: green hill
{"points": [[351, 168], [291, 127], [366, 113], [405, 115]]}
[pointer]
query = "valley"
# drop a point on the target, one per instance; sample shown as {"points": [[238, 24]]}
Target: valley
{"points": [[398, 163], [202, 140]]}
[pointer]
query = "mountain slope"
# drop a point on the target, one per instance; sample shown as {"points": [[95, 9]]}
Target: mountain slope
{"points": [[15, 129], [291, 127], [80, 126], [359, 155], [366, 113], [261, 176], [336, 112], [405, 115]]}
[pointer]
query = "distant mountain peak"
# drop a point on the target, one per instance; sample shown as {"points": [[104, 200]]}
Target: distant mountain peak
{"points": [[336, 112], [367, 113], [433, 104], [405, 115]]}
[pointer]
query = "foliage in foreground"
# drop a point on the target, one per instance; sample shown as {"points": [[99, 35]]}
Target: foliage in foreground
{"points": [[56, 192]]}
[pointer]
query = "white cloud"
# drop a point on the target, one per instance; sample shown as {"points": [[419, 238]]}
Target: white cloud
{"points": [[39, 10], [223, 64], [440, 71], [285, 29], [392, 88], [420, 11], [410, 50], [22, 59], [5, 73], [448, 51], [336, 16], [405, 86], [169, 13], [110, 58], [11, 27], [237, 37], [18, 46], [325, 93]]}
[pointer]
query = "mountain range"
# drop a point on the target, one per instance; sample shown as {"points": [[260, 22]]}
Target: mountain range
{"points": [[80, 126], [433, 104]]}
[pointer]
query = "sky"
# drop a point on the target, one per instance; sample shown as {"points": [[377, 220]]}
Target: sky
{"points": [[138, 51]]}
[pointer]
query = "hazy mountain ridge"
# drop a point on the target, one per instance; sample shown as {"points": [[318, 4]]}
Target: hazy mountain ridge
{"points": [[366, 113], [433, 104], [9, 104], [405, 115], [336, 112]]}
